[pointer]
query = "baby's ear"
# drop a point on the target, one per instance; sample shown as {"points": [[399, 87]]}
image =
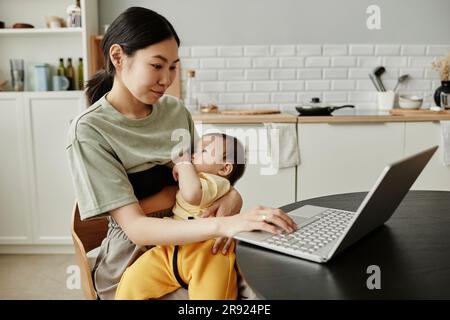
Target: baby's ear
{"points": [[226, 169]]}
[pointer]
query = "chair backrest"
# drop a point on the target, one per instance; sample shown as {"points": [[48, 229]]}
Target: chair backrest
{"points": [[87, 235]]}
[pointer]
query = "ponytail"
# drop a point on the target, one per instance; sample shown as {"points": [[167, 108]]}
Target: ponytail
{"points": [[98, 86]]}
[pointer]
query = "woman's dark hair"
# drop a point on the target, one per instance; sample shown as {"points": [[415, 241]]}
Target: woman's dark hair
{"points": [[233, 152], [134, 29]]}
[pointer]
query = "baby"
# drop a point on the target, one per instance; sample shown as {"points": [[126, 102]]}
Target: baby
{"points": [[203, 178]]}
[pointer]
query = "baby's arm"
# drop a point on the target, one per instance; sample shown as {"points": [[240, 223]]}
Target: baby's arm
{"points": [[189, 182]]}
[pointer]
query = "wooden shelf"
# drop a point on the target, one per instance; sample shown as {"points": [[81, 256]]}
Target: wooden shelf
{"points": [[39, 31], [43, 94]]}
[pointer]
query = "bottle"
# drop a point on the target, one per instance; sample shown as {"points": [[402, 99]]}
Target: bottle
{"points": [[70, 74], [190, 101], [74, 15], [61, 71], [80, 74]]}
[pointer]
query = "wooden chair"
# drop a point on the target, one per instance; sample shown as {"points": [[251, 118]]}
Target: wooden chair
{"points": [[87, 235]]}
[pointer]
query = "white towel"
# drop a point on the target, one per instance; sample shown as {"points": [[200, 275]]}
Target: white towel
{"points": [[445, 128], [283, 144]]}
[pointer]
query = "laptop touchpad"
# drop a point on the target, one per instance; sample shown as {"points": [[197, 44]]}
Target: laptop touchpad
{"points": [[307, 211]]}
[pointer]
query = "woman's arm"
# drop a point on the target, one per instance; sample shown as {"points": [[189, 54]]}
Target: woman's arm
{"points": [[144, 230]]}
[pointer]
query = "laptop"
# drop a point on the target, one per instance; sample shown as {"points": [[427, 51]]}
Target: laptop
{"points": [[325, 232]]}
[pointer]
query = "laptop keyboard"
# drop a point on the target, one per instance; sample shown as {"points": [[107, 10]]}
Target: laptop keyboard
{"points": [[328, 226]]}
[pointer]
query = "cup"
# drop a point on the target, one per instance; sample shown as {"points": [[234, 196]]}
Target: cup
{"points": [[60, 83], [386, 100], [17, 74], [54, 24]]}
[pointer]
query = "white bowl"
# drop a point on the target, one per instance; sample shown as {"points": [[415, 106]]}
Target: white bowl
{"points": [[410, 102]]}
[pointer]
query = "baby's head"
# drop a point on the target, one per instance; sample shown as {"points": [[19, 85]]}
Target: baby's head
{"points": [[220, 154]]}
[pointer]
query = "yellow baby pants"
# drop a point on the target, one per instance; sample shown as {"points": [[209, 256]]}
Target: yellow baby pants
{"points": [[154, 274]]}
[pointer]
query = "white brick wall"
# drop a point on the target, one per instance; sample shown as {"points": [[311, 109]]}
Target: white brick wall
{"points": [[282, 76]]}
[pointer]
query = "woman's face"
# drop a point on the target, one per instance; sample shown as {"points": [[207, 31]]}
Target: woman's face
{"points": [[150, 71]]}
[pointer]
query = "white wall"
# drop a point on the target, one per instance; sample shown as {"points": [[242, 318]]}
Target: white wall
{"points": [[283, 76], [267, 53], [255, 22]]}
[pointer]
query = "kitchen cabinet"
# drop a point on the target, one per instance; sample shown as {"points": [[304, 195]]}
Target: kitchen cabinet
{"points": [[35, 187], [52, 196], [260, 184], [422, 135], [345, 157], [15, 216]]}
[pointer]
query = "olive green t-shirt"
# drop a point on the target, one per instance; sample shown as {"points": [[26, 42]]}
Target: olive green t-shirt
{"points": [[104, 146]]}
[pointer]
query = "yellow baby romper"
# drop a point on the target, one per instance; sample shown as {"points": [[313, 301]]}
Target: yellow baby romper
{"points": [[163, 269]]}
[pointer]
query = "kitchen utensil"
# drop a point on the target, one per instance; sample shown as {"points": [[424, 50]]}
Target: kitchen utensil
{"points": [[209, 108], [250, 112], [319, 111], [21, 25], [377, 73], [374, 82], [386, 100], [400, 80], [410, 102]]}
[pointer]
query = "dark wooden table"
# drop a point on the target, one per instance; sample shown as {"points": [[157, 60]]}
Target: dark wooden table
{"points": [[412, 251]]}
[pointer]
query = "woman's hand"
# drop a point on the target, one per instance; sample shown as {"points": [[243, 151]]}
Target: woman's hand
{"points": [[259, 218], [228, 205]]}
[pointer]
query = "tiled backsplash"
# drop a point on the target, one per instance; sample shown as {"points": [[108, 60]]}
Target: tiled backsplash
{"points": [[283, 76]]}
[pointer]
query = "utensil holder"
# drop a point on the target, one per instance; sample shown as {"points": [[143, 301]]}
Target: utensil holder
{"points": [[386, 100]]}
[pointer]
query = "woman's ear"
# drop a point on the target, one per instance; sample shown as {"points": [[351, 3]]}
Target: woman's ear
{"points": [[226, 169], [116, 55]]}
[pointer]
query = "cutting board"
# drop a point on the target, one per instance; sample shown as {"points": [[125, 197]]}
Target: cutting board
{"points": [[250, 112], [407, 112]]}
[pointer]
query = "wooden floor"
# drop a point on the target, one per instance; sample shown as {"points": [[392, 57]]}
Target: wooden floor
{"points": [[36, 277]]}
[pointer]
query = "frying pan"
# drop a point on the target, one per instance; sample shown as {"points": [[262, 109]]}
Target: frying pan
{"points": [[319, 111]]}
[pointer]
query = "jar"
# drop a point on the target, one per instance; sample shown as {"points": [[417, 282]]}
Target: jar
{"points": [[445, 94], [444, 88]]}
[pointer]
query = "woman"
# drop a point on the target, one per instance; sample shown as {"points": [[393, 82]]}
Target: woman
{"points": [[119, 149]]}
